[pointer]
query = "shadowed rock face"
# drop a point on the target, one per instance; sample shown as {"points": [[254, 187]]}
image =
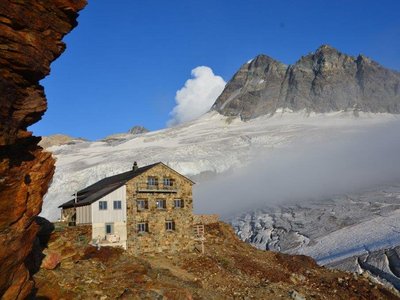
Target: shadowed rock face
{"points": [[324, 81], [30, 39]]}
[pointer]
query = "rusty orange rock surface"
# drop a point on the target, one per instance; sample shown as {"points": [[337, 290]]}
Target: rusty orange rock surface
{"points": [[51, 261], [31, 33]]}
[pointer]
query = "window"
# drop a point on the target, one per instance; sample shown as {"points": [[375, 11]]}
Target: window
{"points": [[117, 204], [109, 228], [178, 203], [161, 204], [167, 182], [152, 181], [143, 227], [142, 204], [102, 205], [169, 225]]}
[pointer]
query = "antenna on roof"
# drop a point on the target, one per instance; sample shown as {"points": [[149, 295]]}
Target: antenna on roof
{"points": [[76, 197], [135, 166]]}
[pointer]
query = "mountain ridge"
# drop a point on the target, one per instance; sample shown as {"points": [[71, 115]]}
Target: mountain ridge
{"points": [[322, 81]]}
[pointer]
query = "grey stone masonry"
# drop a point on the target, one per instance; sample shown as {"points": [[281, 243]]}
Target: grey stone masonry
{"points": [[159, 212]]}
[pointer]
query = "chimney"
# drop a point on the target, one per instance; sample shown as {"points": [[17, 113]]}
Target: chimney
{"points": [[135, 166]]}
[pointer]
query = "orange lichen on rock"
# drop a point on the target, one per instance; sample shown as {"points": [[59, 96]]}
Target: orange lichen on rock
{"points": [[30, 39]]}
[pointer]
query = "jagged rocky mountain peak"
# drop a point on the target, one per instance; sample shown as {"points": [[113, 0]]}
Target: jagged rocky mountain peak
{"points": [[322, 81], [327, 49], [138, 130], [261, 61]]}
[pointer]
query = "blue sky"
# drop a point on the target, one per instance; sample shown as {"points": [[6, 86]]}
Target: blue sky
{"points": [[126, 60]]}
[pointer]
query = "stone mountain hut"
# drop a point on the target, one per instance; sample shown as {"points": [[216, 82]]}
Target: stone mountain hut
{"points": [[147, 209]]}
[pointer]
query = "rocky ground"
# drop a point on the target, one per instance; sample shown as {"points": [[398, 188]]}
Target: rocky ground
{"points": [[229, 269]]}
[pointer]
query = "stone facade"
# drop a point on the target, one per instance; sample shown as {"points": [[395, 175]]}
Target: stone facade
{"points": [[205, 219], [155, 237]]}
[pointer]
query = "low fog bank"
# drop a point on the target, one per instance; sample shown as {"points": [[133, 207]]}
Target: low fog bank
{"points": [[321, 167]]}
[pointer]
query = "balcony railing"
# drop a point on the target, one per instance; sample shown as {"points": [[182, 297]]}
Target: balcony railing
{"points": [[156, 188]]}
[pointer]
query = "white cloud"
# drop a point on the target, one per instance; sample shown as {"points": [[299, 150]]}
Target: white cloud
{"points": [[197, 96]]}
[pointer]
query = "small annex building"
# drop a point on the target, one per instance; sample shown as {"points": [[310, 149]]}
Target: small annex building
{"points": [[147, 209]]}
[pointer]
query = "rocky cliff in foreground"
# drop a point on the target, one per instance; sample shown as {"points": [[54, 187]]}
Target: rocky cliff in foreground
{"points": [[324, 81], [30, 39], [229, 269]]}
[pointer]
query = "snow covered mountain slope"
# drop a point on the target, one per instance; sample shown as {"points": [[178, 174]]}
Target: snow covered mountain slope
{"points": [[213, 144]]}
